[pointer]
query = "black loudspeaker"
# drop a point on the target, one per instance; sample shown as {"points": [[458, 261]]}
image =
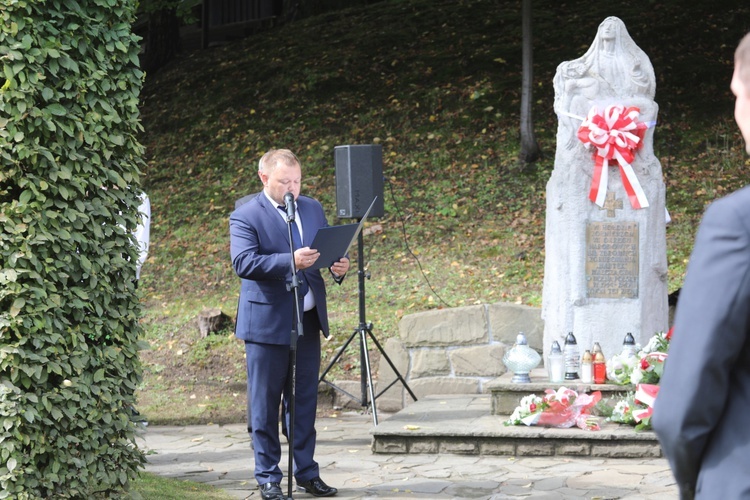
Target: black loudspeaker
{"points": [[359, 179]]}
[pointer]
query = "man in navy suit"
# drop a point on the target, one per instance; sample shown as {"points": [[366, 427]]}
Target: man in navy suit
{"points": [[265, 319], [702, 411]]}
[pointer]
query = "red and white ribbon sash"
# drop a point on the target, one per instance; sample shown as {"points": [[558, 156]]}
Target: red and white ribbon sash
{"points": [[616, 134], [646, 394]]}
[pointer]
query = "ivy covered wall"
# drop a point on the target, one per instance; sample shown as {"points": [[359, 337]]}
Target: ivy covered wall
{"points": [[69, 197]]}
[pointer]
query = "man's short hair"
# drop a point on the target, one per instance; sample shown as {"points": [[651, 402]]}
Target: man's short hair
{"points": [[742, 61], [274, 157]]}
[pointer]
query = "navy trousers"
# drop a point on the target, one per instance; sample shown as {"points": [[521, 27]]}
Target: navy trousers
{"points": [[269, 375]]}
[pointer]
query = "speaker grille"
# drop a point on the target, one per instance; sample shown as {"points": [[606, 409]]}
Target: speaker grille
{"points": [[359, 179]]}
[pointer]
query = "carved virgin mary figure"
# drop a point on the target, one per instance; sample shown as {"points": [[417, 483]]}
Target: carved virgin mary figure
{"points": [[614, 71], [613, 68]]}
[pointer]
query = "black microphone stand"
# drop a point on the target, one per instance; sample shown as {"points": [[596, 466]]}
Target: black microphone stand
{"points": [[297, 330]]}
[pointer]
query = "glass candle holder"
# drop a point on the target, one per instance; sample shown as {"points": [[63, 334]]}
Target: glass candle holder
{"points": [[555, 363], [520, 360], [572, 357]]}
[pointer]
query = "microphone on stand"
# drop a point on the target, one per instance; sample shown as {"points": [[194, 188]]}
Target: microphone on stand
{"points": [[289, 205]]}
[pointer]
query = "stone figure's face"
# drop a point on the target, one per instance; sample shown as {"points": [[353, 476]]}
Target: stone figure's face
{"points": [[742, 106], [609, 30], [285, 178]]}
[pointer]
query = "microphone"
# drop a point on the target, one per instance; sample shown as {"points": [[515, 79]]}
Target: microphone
{"points": [[289, 205]]}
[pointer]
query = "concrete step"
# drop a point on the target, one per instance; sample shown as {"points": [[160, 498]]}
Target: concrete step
{"points": [[465, 425]]}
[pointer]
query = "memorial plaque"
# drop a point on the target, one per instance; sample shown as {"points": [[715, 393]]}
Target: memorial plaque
{"points": [[612, 260]]}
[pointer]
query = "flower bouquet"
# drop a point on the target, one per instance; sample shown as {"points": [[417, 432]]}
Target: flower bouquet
{"points": [[636, 408], [562, 408], [622, 413], [649, 369], [620, 367], [646, 367]]}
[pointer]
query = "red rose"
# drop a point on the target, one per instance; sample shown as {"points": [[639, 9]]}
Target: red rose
{"points": [[532, 407], [644, 364]]}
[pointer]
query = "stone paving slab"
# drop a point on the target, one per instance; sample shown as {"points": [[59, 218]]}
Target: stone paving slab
{"points": [[221, 456]]}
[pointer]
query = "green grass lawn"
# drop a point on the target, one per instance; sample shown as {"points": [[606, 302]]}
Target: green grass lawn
{"points": [[153, 487]]}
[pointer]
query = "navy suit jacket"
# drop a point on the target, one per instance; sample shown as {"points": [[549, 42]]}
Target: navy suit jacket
{"points": [[702, 412], [259, 245]]}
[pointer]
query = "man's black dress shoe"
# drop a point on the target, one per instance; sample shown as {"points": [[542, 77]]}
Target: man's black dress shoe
{"points": [[271, 491], [316, 487]]}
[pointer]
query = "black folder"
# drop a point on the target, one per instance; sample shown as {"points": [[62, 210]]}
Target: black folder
{"points": [[333, 242]]}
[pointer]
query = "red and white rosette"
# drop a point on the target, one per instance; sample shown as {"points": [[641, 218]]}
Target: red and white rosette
{"points": [[616, 134]]}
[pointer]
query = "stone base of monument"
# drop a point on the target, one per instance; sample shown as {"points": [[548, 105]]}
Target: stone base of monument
{"points": [[469, 425], [506, 396]]}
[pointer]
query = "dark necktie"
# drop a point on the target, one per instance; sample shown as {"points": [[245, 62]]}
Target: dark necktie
{"points": [[295, 230], [296, 236], [303, 287]]}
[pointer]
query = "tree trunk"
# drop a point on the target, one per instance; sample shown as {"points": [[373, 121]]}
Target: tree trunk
{"points": [[162, 40], [290, 10], [530, 151]]}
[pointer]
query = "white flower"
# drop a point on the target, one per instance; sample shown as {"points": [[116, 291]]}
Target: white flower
{"points": [[620, 367], [655, 344], [620, 408], [516, 416], [528, 400], [523, 410], [616, 363]]}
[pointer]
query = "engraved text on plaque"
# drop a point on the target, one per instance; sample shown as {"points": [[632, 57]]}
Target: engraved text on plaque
{"points": [[612, 260]]}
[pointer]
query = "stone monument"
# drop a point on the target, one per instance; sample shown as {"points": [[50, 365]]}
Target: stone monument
{"points": [[605, 271]]}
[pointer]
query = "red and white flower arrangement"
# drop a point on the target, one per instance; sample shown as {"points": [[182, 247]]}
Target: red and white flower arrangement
{"points": [[562, 408], [636, 408], [646, 367], [565, 407]]}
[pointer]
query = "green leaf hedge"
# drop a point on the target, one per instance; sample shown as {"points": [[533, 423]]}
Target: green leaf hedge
{"points": [[69, 195]]}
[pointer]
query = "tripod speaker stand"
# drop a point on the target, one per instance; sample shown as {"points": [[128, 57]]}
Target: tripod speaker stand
{"points": [[363, 331]]}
